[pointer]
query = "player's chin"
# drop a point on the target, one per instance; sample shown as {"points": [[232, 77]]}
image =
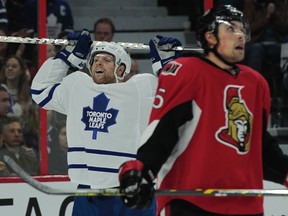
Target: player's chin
{"points": [[99, 79], [238, 58]]}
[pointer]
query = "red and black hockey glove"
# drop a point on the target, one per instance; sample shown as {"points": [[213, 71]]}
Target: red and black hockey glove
{"points": [[137, 184]]}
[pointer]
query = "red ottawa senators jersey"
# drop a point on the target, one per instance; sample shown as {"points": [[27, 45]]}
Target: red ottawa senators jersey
{"points": [[205, 132]]}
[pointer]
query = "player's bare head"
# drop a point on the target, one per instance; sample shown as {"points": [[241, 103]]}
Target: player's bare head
{"points": [[108, 62], [214, 22]]}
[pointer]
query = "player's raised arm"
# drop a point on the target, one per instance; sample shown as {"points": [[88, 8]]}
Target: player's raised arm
{"points": [[46, 86]]}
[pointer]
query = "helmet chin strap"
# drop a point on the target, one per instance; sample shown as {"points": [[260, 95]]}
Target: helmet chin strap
{"points": [[214, 50], [116, 76]]}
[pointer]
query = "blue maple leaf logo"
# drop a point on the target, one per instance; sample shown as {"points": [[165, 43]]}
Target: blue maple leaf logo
{"points": [[98, 119]]}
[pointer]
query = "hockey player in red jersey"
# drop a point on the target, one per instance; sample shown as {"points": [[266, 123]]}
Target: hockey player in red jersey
{"points": [[208, 127]]}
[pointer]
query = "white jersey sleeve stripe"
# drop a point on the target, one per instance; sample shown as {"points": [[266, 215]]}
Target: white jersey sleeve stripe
{"points": [[49, 96], [102, 152]]}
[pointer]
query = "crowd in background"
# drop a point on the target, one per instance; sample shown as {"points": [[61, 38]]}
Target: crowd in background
{"points": [[18, 65], [19, 126], [19, 115]]}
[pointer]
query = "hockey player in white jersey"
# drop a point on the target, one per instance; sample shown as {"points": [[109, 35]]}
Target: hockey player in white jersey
{"points": [[105, 116]]}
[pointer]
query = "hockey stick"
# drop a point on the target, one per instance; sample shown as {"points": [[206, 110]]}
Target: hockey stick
{"points": [[126, 45], [116, 192]]}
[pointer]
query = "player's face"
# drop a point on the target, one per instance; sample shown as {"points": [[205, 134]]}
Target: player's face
{"points": [[102, 68], [231, 44]]}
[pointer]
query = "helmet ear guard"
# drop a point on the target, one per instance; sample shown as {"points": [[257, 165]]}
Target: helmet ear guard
{"points": [[119, 53]]}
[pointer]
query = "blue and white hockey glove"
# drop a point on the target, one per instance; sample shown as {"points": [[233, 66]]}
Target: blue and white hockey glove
{"points": [[137, 184], [161, 51], [76, 57]]}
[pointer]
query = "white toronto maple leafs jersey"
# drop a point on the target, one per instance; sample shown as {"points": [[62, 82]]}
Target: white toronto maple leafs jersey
{"points": [[104, 121]]}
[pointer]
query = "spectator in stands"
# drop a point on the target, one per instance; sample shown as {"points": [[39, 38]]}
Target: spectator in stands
{"points": [[59, 17], [4, 102], [11, 132], [57, 160], [104, 30], [269, 24], [14, 78]]}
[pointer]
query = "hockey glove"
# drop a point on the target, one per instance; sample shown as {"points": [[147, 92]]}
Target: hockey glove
{"points": [[76, 57], [161, 52], [137, 184]]}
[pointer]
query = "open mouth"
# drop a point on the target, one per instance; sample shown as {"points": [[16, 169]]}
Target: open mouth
{"points": [[99, 71], [240, 47]]}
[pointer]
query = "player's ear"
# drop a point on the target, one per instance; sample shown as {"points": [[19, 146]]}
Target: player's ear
{"points": [[120, 70], [211, 39]]}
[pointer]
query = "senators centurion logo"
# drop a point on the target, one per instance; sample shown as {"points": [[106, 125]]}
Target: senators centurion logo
{"points": [[237, 131], [98, 118]]}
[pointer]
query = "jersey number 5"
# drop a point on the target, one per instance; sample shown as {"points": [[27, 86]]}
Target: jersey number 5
{"points": [[159, 100]]}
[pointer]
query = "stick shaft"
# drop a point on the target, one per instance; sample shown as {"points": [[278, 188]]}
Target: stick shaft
{"points": [[64, 42], [116, 192]]}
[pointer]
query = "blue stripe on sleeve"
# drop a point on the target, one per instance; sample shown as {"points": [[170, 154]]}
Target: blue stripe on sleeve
{"points": [[111, 153], [76, 149], [48, 98], [102, 169], [101, 152], [92, 168], [77, 166], [36, 92]]}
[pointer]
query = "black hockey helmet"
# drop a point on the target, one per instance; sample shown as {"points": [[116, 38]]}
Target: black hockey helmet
{"points": [[213, 17]]}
